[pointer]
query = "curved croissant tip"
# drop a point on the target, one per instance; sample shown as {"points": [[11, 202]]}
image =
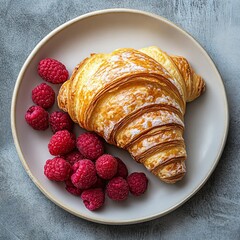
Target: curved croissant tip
{"points": [[172, 172], [174, 179], [203, 86], [62, 98]]}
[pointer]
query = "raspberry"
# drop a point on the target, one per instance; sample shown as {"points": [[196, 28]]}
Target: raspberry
{"points": [[71, 188], [117, 189], [52, 71], [122, 170], [73, 157], [106, 166], [138, 183], [93, 198], [57, 169], [37, 118], [43, 95], [85, 175], [100, 183], [60, 121], [90, 145], [62, 142]]}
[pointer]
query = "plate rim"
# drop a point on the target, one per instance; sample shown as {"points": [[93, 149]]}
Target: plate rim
{"points": [[13, 116]]}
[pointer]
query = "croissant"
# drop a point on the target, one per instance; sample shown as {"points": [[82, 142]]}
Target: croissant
{"points": [[136, 100]]}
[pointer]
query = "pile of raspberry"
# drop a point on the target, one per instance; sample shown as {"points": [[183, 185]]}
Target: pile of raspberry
{"points": [[81, 163], [43, 96], [90, 173]]}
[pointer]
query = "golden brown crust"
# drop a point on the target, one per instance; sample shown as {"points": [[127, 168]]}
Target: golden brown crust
{"points": [[135, 100], [194, 83]]}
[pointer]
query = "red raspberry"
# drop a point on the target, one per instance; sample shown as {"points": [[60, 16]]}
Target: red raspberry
{"points": [[57, 169], [90, 145], [106, 166], [62, 142], [52, 71], [60, 121], [93, 198], [117, 189], [37, 118], [73, 157], [100, 183], [122, 170], [138, 183], [85, 175], [43, 95], [71, 188]]}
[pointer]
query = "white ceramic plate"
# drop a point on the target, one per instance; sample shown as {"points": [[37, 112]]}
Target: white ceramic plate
{"points": [[206, 119]]}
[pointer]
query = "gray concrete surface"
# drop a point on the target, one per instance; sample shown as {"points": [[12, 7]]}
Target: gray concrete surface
{"points": [[213, 213]]}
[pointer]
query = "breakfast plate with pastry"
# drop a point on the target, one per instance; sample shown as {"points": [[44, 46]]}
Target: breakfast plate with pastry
{"points": [[143, 86]]}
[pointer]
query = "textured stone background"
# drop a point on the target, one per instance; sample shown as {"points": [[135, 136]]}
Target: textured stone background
{"points": [[213, 213]]}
